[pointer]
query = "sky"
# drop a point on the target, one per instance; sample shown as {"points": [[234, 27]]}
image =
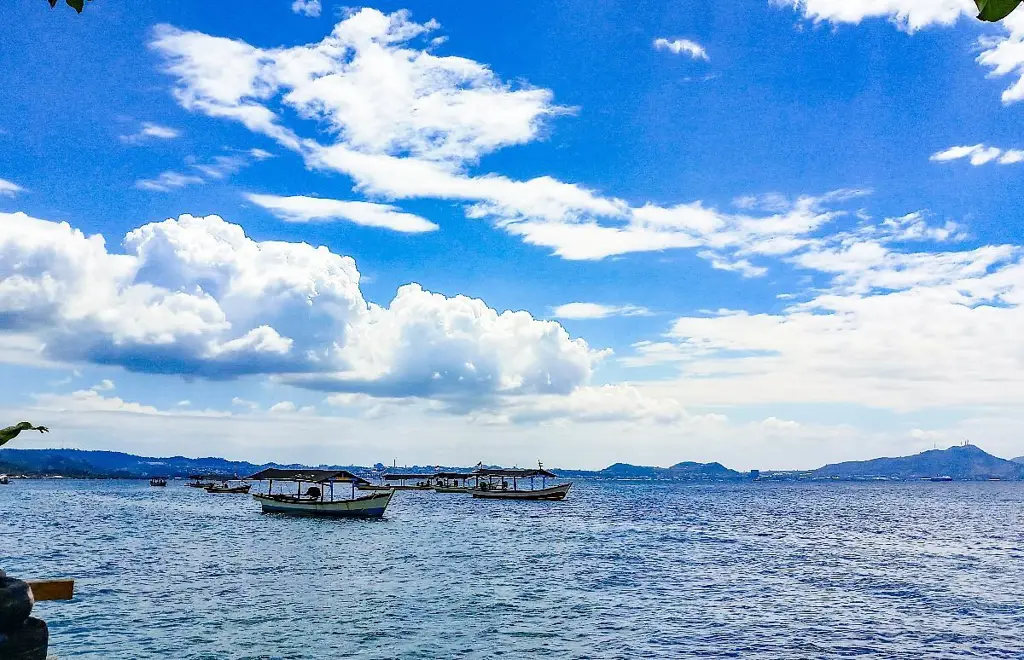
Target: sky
{"points": [[580, 232]]}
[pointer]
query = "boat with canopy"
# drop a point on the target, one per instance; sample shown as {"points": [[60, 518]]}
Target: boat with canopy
{"points": [[409, 481], [205, 480], [452, 482], [319, 498], [493, 483], [230, 486]]}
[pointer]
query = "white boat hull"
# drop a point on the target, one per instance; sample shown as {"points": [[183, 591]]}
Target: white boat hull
{"points": [[553, 493], [369, 506]]}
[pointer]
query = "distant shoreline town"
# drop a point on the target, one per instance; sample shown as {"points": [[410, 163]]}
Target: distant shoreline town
{"points": [[961, 463]]}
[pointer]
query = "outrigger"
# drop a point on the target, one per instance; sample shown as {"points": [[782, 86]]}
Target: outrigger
{"points": [[500, 489], [318, 499]]}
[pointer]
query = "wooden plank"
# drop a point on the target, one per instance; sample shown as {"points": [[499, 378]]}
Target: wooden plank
{"points": [[52, 589]]}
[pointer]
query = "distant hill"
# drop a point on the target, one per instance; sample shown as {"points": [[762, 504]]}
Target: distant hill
{"points": [[81, 463], [687, 471], [1019, 459], [962, 463]]}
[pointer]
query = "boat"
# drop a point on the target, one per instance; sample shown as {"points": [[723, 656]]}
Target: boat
{"points": [[158, 481], [942, 478], [452, 482], [318, 499], [226, 487], [4, 479], [419, 481], [500, 490], [203, 480]]}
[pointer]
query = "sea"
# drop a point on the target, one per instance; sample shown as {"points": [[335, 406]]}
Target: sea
{"points": [[617, 570]]}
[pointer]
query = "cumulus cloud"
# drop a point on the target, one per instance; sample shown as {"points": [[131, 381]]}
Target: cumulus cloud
{"points": [[317, 209], [197, 297], [104, 385], [979, 154], [681, 47], [150, 131], [9, 188], [310, 8], [585, 310]]}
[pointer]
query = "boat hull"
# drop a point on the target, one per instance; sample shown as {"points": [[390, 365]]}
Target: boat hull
{"points": [[553, 493], [234, 489], [374, 488], [451, 489], [370, 506]]}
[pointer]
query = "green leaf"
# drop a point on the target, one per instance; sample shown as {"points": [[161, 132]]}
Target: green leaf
{"points": [[995, 10]]}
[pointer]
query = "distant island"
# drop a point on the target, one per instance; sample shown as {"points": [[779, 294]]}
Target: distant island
{"points": [[961, 463]]}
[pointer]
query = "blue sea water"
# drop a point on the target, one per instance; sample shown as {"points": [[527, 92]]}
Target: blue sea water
{"points": [[618, 570]]}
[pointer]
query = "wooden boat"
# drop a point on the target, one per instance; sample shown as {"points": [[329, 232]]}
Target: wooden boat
{"points": [[158, 481], [452, 482], [4, 480], [202, 480], [226, 487], [400, 481], [487, 488], [318, 499]]}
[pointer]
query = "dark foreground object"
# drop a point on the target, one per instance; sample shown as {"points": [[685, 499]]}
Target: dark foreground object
{"points": [[27, 641], [21, 637]]}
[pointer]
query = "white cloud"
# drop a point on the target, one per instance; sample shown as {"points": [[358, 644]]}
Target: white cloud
{"points": [[310, 8], [184, 403], [979, 154], [584, 310], [215, 169], [168, 181], [104, 385], [283, 407], [149, 132], [442, 114], [902, 331], [681, 46], [244, 403], [195, 296], [91, 401], [9, 188], [1003, 54], [368, 214]]}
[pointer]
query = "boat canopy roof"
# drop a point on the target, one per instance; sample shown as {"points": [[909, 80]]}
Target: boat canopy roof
{"points": [[515, 472], [452, 475], [308, 476], [398, 476]]}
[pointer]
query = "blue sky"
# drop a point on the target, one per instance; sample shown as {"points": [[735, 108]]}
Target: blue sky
{"points": [[792, 234]]}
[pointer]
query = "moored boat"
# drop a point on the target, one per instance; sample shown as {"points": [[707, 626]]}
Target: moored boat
{"points": [[409, 481], [203, 480], [158, 481], [492, 483], [452, 482], [4, 480], [226, 487], [318, 499]]}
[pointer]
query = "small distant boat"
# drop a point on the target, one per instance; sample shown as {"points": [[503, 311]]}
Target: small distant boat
{"points": [[158, 481], [201, 481], [226, 487], [500, 490], [400, 481], [942, 478], [4, 480], [318, 499]]}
